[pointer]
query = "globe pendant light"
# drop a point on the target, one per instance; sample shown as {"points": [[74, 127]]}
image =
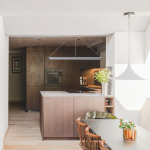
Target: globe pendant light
{"points": [[129, 74]]}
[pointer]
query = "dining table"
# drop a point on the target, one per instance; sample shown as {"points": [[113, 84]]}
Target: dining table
{"points": [[108, 129]]}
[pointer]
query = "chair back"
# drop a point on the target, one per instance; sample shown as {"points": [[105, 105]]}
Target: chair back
{"points": [[102, 142], [93, 140], [81, 131]]}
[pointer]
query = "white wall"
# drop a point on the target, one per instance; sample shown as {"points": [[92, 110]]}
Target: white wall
{"points": [[4, 41], [128, 94], [147, 42]]}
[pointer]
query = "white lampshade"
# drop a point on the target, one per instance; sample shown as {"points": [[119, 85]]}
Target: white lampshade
{"points": [[129, 74]]}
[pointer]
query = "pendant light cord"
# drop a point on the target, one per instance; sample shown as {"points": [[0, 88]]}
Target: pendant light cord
{"points": [[60, 46], [129, 34], [75, 46]]}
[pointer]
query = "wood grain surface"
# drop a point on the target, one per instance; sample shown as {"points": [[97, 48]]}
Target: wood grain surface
{"points": [[53, 63], [58, 116], [71, 70], [34, 98], [35, 68], [53, 88], [24, 133], [82, 105], [85, 64]]}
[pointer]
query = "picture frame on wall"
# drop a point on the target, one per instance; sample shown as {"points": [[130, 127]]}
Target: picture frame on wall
{"points": [[16, 65]]}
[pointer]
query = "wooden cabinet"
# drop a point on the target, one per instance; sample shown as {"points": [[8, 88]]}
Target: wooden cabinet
{"points": [[53, 88], [58, 116], [34, 98], [53, 63], [82, 105], [71, 70], [88, 64], [35, 66]]}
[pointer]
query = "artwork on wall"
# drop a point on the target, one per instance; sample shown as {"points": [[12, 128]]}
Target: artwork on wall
{"points": [[16, 65]]}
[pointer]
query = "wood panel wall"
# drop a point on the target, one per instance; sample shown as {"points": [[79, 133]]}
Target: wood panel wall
{"points": [[37, 61], [71, 70]]}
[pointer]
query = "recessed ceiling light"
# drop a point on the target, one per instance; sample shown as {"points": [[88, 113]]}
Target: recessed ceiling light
{"points": [[78, 39], [39, 39]]}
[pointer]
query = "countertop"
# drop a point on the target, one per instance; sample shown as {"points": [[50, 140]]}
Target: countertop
{"points": [[66, 94]]}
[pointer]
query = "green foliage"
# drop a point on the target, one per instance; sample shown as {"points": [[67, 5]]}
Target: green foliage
{"points": [[126, 125], [103, 76]]}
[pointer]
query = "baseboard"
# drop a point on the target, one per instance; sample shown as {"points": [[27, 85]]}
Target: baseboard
{"points": [[17, 101], [5, 136]]}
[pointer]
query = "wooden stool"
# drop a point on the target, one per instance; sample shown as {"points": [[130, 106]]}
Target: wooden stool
{"points": [[81, 131]]}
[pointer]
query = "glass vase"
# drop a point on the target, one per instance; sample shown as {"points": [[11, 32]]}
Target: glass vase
{"points": [[130, 134]]}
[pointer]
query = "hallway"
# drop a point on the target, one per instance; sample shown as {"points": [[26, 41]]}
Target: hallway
{"points": [[24, 133]]}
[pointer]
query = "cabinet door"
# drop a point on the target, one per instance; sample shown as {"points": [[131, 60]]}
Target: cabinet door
{"points": [[82, 105], [58, 116], [85, 64], [34, 98], [53, 63], [35, 68], [71, 70]]}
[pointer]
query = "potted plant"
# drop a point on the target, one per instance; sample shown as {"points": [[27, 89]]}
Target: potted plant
{"points": [[129, 131], [103, 77]]}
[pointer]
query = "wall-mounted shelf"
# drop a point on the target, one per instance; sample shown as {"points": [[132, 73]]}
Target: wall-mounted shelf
{"points": [[111, 107]]}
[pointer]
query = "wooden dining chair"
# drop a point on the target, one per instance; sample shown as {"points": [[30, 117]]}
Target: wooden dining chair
{"points": [[94, 141], [81, 131]]}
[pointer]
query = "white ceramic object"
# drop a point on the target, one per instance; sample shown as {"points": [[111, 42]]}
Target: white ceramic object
{"points": [[104, 89]]}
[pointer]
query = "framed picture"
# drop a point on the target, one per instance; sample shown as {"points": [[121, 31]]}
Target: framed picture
{"points": [[16, 64]]}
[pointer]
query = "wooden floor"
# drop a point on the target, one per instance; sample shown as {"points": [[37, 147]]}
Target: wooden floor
{"points": [[24, 133]]}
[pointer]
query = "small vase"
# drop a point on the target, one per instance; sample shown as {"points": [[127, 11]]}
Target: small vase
{"points": [[104, 89], [130, 134]]}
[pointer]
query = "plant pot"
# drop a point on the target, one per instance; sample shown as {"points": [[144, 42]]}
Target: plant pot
{"points": [[104, 89], [130, 134]]}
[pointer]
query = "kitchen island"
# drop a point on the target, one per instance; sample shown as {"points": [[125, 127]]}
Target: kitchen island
{"points": [[60, 109]]}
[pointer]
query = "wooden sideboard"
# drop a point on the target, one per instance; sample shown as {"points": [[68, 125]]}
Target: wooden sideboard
{"points": [[58, 114]]}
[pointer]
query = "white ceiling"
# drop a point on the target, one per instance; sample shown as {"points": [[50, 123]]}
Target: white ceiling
{"points": [[61, 6], [72, 17], [65, 25]]}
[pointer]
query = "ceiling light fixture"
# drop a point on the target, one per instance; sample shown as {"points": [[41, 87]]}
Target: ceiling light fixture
{"points": [[129, 74], [74, 58]]}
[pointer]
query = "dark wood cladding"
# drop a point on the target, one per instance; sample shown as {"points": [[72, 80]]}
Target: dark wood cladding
{"points": [[53, 88], [82, 105], [71, 70], [34, 98], [58, 117], [59, 114], [53, 63], [35, 66], [88, 64]]}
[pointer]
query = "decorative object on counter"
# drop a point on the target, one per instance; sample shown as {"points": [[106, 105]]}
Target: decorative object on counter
{"points": [[103, 77], [16, 65], [129, 131], [99, 115], [107, 102]]}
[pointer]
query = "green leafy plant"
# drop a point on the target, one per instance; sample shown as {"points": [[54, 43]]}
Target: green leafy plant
{"points": [[103, 76], [126, 125]]}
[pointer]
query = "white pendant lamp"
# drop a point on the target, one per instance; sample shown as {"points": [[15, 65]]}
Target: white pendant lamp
{"points": [[74, 58], [129, 74]]}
